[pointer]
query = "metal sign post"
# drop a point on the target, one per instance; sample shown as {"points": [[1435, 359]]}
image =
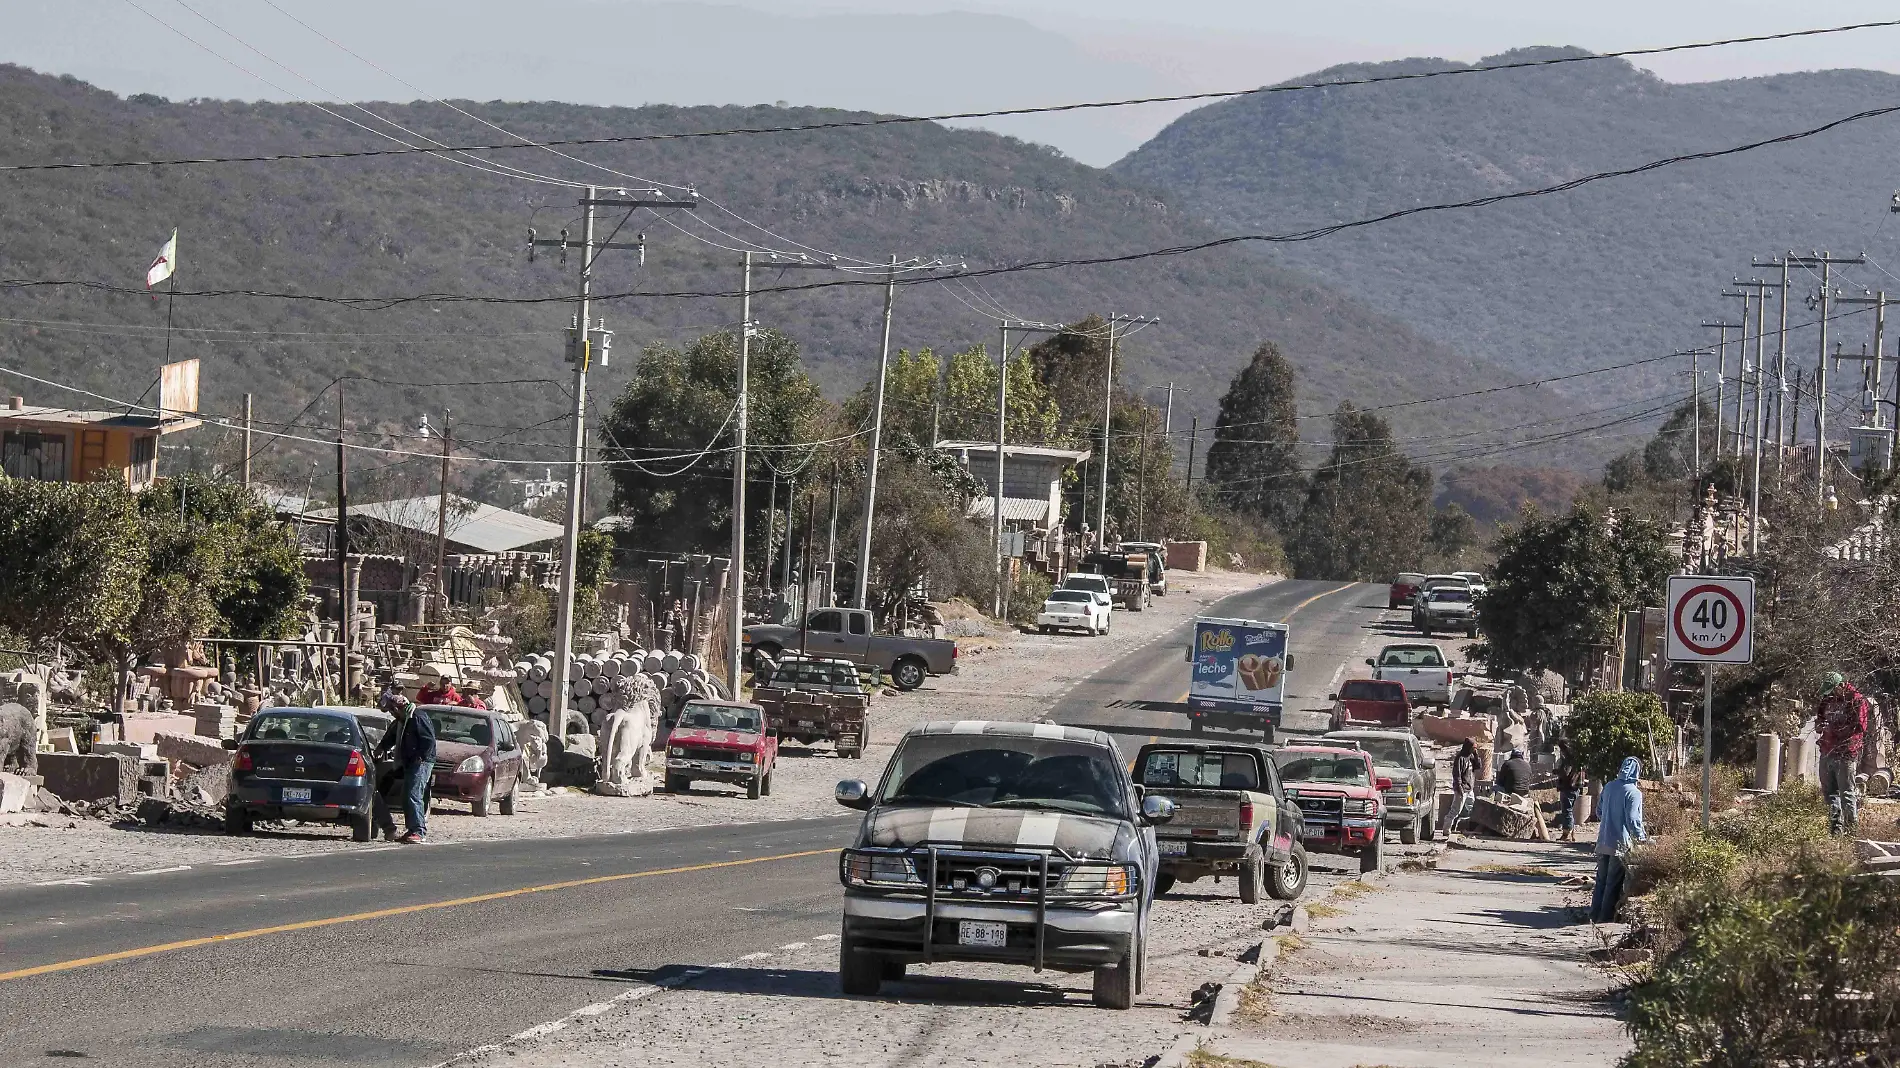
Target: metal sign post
{"points": [[1711, 621]]}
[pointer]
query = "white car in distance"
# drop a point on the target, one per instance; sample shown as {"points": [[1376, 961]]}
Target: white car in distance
{"points": [[1085, 610]]}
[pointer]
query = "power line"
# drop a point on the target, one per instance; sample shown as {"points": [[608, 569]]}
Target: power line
{"points": [[887, 120]]}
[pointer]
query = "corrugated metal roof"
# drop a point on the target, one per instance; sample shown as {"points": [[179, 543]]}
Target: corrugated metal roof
{"points": [[479, 526], [1015, 509]]}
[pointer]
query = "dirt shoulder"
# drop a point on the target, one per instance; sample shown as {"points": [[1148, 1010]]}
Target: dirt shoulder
{"points": [[1003, 674]]}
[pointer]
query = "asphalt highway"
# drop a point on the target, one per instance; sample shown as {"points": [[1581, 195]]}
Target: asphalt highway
{"points": [[406, 956]]}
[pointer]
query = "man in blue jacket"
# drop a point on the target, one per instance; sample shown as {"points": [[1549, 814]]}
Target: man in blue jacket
{"points": [[1620, 811], [411, 741]]}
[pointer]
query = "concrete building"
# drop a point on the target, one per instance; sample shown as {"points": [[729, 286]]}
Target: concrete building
{"points": [[64, 445], [1032, 494]]}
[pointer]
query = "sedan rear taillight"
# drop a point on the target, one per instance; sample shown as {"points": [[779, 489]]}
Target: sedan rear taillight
{"points": [[357, 766], [242, 761]]}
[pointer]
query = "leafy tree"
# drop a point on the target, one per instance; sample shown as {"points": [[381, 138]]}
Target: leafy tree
{"points": [[1254, 461], [1561, 584], [958, 394], [74, 555], [1073, 367], [1607, 726], [1368, 508], [1144, 498], [1453, 533], [1671, 454], [594, 562]]}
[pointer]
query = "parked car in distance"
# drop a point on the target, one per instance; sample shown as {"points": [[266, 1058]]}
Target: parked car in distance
{"points": [[1084, 580], [1411, 802], [477, 760], [1447, 608], [1404, 588], [1341, 801], [1231, 817], [311, 764], [1475, 580], [1009, 843], [722, 741], [1157, 564], [1074, 610], [1370, 702], [846, 633], [1422, 669]]}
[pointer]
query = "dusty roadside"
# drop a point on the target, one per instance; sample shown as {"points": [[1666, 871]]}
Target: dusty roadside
{"points": [[1004, 675]]}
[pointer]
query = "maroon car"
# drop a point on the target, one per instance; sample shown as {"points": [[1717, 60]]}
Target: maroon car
{"points": [[477, 760], [1370, 702]]}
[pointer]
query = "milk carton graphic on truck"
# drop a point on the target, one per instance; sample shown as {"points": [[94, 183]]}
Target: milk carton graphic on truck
{"points": [[1239, 675]]}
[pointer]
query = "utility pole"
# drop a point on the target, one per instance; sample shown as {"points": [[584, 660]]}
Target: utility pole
{"points": [[442, 519], [1167, 412], [1721, 375], [1002, 435], [1825, 261], [1761, 288], [1194, 438], [586, 340], [862, 588], [1141, 483], [345, 604], [1695, 403], [1876, 387], [1108, 419], [831, 540], [1741, 369], [1781, 364], [244, 473]]}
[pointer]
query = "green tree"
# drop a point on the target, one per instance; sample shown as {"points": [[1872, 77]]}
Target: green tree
{"points": [[1073, 367], [1607, 727], [1368, 508], [1671, 454], [594, 562], [1253, 463], [72, 556], [1561, 584], [1453, 533]]}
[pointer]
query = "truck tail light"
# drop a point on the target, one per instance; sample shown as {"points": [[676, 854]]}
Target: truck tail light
{"points": [[1246, 815]]}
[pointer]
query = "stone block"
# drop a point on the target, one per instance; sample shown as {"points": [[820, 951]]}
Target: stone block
{"points": [[135, 750], [1186, 556], [191, 749], [145, 726], [61, 740], [1501, 820], [91, 777], [14, 791]]}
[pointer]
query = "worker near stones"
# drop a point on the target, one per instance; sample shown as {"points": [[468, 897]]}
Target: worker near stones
{"points": [[1513, 788], [410, 747], [1620, 827], [1569, 784], [1841, 722], [439, 690], [1464, 784]]}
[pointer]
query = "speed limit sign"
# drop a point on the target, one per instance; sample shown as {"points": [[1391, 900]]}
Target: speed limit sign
{"points": [[1711, 620]]}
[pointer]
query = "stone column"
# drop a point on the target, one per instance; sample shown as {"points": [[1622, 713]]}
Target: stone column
{"points": [[1768, 762]]}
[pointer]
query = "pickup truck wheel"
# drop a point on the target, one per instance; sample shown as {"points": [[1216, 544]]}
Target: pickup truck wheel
{"points": [[756, 788], [765, 785], [909, 673], [1286, 881], [479, 806], [769, 651], [1115, 985], [860, 974], [893, 970], [1250, 879], [1408, 834], [1163, 883], [1426, 829], [1425, 630], [1195, 725], [676, 784], [1372, 858]]}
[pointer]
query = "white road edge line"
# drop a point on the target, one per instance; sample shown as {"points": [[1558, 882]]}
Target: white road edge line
{"points": [[84, 881], [161, 871]]}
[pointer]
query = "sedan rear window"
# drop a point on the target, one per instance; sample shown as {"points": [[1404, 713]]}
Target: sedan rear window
{"points": [[1208, 771], [302, 727]]}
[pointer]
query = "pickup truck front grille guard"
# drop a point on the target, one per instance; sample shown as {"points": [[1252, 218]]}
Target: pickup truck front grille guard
{"points": [[930, 907], [928, 948]]}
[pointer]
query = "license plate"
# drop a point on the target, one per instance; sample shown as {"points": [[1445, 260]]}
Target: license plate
{"points": [[1173, 849], [296, 793], [987, 935]]}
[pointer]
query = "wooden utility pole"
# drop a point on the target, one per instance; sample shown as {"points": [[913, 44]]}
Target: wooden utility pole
{"points": [[244, 473], [1825, 261], [442, 521], [1194, 438], [346, 605]]}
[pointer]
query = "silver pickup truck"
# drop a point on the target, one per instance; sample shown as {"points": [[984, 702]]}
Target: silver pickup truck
{"points": [[846, 633], [1231, 817]]}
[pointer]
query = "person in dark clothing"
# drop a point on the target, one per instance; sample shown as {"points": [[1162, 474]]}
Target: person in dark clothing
{"points": [[1514, 777], [1569, 785], [410, 747], [1464, 784], [1841, 720]]}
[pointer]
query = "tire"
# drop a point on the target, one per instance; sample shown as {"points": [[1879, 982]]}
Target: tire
{"points": [[1040, 629], [1426, 829], [893, 970], [765, 787], [1408, 834], [237, 821], [1115, 985], [484, 800], [1373, 858], [677, 784], [859, 974], [1425, 630], [1250, 879], [1287, 881], [360, 830], [1195, 725], [769, 650], [756, 788], [909, 673], [1164, 883], [506, 803]]}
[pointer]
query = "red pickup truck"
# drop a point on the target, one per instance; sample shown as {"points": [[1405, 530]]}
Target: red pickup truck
{"points": [[1341, 799], [724, 741], [1370, 703]]}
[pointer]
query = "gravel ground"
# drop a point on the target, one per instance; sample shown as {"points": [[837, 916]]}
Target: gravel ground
{"points": [[1004, 675]]}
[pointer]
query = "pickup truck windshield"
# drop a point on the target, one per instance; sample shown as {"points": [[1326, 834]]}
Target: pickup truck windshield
{"points": [[1412, 656], [1391, 752], [986, 771], [1368, 690], [1206, 771], [1323, 767], [1450, 595], [720, 718]]}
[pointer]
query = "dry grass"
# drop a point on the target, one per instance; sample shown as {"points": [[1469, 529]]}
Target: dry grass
{"points": [[1530, 870], [1353, 889], [1202, 1057], [1320, 910], [1256, 1001]]}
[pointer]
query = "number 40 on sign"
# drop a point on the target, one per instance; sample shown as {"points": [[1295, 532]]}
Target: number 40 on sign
{"points": [[1711, 619]]}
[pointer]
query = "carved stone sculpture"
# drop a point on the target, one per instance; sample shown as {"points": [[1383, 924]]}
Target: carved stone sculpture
{"points": [[19, 739]]}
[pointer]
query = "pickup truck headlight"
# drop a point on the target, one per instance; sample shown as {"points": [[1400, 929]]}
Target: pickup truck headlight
{"points": [[745, 758], [1360, 806], [880, 869], [675, 751], [1108, 880], [472, 764]]}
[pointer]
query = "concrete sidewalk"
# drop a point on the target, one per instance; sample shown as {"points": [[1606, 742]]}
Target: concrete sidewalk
{"points": [[1479, 963]]}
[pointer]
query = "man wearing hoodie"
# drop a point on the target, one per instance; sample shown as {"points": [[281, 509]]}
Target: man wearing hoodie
{"points": [[1620, 811], [1841, 721]]}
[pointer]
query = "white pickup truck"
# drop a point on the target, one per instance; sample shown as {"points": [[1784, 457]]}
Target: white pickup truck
{"points": [[1422, 669]]}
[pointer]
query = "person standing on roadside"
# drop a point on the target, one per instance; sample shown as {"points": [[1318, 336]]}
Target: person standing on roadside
{"points": [[1841, 722], [1569, 785], [410, 743], [1464, 784], [1619, 829]]}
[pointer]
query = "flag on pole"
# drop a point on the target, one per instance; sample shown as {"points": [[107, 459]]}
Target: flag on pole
{"points": [[165, 264]]}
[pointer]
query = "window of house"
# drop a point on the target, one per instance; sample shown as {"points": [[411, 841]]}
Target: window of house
{"points": [[35, 455]]}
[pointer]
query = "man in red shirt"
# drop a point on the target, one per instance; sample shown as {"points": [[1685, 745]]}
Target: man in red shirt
{"points": [[439, 690], [1841, 722]]}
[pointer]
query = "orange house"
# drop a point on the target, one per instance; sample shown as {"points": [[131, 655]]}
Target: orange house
{"points": [[64, 445]]}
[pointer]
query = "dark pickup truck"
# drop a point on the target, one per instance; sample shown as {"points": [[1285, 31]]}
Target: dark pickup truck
{"points": [[1231, 817]]}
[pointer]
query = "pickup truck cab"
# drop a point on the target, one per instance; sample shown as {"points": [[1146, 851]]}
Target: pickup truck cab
{"points": [[722, 741], [1370, 702], [846, 633], [1422, 669], [1411, 801], [1010, 843], [1447, 608], [1231, 817], [1341, 804]]}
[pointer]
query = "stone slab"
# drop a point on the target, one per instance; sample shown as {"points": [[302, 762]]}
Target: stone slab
{"points": [[88, 777], [191, 749], [145, 726]]}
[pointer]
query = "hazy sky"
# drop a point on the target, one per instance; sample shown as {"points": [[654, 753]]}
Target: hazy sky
{"points": [[909, 56]]}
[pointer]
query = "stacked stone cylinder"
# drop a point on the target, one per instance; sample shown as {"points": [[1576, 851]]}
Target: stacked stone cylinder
{"points": [[601, 683]]}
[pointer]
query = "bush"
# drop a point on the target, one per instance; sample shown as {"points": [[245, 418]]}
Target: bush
{"points": [[1606, 726], [1795, 967], [1025, 600]]}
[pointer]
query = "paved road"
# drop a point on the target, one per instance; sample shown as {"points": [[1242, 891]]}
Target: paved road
{"points": [[410, 956]]}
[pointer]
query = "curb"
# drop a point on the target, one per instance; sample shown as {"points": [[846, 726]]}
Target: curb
{"points": [[1227, 1001]]}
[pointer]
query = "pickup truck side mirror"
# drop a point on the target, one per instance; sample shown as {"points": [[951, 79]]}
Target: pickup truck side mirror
{"points": [[1156, 810], [1382, 783], [852, 793], [1332, 697], [771, 732], [1369, 662]]}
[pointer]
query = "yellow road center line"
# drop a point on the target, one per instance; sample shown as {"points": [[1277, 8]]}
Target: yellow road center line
{"points": [[378, 914]]}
